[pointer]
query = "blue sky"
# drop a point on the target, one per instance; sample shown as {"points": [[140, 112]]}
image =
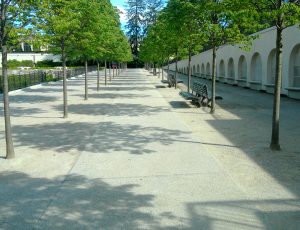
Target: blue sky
{"points": [[120, 4]]}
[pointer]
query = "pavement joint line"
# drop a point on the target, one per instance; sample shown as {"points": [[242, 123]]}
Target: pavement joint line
{"points": [[54, 196], [159, 176]]}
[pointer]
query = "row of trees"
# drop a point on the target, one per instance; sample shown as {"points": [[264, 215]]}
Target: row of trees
{"points": [[141, 15], [187, 27], [77, 29]]}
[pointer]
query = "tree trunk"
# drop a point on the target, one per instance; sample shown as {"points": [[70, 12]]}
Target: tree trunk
{"points": [[176, 68], [10, 153], [110, 71], [168, 73], [105, 72], [98, 76], [213, 81], [278, 78], [189, 71], [65, 90], [162, 73], [86, 82]]}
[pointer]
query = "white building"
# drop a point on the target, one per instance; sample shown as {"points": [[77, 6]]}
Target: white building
{"points": [[255, 68], [33, 56]]}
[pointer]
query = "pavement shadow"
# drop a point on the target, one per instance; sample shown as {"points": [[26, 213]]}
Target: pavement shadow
{"points": [[126, 88], [27, 98], [250, 130], [102, 137], [74, 202], [46, 89], [117, 109], [113, 95], [245, 214], [21, 111]]}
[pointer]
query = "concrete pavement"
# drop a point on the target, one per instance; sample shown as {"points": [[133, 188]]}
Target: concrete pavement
{"points": [[130, 157]]}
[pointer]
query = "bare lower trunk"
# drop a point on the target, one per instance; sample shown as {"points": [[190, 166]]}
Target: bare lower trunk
{"points": [[86, 82], [276, 104], [98, 76], [65, 90], [176, 69], [162, 73], [189, 71], [213, 81], [110, 71], [168, 73], [105, 72], [10, 153]]}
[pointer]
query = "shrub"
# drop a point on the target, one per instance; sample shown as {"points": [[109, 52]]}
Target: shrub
{"points": [[15, 63], [48, 63]]}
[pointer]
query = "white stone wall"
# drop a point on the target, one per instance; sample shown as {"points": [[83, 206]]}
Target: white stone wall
{"points": [[259, 61], [35, 57]]}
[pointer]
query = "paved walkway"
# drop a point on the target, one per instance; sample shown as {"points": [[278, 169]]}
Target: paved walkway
{"points": [[136, 156]]}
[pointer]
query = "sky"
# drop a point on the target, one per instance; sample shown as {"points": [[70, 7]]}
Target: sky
{"points": [[121, 6]]}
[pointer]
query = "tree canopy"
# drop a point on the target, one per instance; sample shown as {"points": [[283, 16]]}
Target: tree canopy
{"points": [[75, 29]]}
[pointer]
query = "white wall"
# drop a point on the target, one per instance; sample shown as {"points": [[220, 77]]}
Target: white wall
{"points": [[261, 47]]}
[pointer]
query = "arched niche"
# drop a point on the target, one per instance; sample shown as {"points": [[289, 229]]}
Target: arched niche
{"points": [[231, 72], [222, 69], [256, 68], [271, 68], [294, 67], [202, 70], [208, 70], [242, 68]]}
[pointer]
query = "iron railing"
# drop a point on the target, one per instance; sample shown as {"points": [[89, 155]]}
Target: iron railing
{"points": [[23, 79]]}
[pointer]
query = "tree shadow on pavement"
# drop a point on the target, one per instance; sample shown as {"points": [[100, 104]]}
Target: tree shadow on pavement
{"points": [[102, 137], [26, 98], [21, 111], [75, 202], [126, 88], [118, 109], [114, 95]]}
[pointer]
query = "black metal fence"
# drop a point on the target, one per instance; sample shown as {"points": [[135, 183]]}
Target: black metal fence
{"points": [[23, 79]]}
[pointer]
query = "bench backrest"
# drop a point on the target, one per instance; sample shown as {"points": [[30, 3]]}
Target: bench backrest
{"points": [[200, 89]]}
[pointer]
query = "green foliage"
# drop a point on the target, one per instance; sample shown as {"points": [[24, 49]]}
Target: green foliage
{"points": [[135, 23], [12, 64], [48, 63]]}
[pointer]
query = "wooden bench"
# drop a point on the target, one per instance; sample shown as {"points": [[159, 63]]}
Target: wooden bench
{"points": [[198, 95], [171, 80]]}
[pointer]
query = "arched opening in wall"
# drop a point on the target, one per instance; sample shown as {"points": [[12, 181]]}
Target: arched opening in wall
{"points": [[207, 70], [198, 70], [271, 67], [231, 72], [256, 68], [202, 70], [27, 47], [222, 69], [242, 68], [194, 70], [294, 70]]}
